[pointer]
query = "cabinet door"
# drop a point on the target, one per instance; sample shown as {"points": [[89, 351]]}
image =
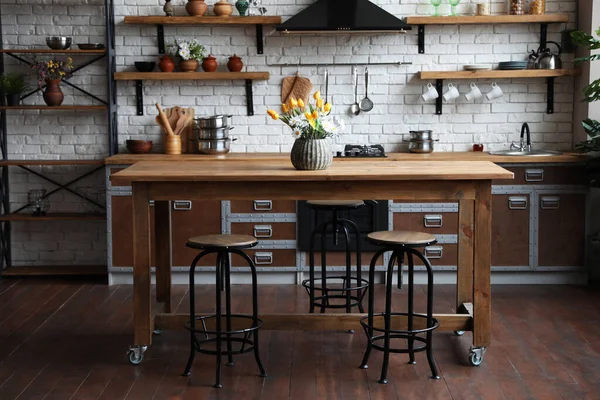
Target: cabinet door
{"points": [[263, 206], [193, 218], [122, 231], [510, 230], [561, 237]]}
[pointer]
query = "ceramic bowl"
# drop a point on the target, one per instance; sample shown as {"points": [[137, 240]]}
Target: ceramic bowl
{"points": [[139, 146], [145, 66]]}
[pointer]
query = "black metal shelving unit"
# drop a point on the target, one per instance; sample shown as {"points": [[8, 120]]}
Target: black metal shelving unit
{"points": [[109, 104]]}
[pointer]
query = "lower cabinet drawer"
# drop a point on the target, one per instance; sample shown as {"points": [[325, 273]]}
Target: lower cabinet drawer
{"points": [[338, 259], [430, 222], [266, 258], [267, 231], [439, 255], [263, 206]]}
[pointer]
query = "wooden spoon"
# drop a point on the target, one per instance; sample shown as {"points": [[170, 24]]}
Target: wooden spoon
{"points": [[181, 122], [164, 120]]}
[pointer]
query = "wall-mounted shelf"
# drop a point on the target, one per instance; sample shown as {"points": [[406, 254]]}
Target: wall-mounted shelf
{"points": [[550, 75], [58, 108], [50, 51], [544, 20], [18, 163], [53, 217], [160, 21], [139, 77]]}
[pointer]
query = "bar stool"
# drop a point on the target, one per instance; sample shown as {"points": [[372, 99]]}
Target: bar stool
{"points": [[400, 243], [349, 284], [223, 245]]}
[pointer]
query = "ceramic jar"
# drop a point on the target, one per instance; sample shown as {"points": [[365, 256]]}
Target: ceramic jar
{"points": [[311, 154], [168, 8], [196, 7], [210, 64], [188, 65], [235, 64], [242, 7], [167, 64], [223, 9], [53, 96]]}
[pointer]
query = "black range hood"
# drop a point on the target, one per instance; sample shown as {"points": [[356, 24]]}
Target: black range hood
{"points": [[343, 16]]}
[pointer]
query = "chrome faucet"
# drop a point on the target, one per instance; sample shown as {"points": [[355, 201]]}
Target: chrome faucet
{"points": [[523, 145]]}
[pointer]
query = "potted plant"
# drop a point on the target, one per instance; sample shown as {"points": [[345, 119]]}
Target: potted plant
{"points": [[312, 126], [190, 54], [51, 72], [13, 85]]}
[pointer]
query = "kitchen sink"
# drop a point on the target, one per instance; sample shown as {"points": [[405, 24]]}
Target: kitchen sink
{"points": [[538, 153]]}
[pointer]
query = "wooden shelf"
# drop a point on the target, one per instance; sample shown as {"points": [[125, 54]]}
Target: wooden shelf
{"points": [[4, 163], [59, 108], [208, 20], [139, 77], [189, 76], [487, 19], [499, 74], [50, 51], [55, 270], [54, 217]]}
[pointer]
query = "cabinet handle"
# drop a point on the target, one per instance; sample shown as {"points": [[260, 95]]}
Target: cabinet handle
{"points": [[550, 203], [434, 252], [534, 175], [433, 221], [151, 203], [263, 231], [517, 203], [263, 258], [263, 205], [182, 205]]}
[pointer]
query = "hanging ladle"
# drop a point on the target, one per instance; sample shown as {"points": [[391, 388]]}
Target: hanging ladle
{"points": [[355, 108], [366, 104]]}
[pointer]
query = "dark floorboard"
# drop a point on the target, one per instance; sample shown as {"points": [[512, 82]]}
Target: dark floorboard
{"points": [[68, 340]]}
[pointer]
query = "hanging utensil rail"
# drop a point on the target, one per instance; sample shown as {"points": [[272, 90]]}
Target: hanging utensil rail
{"points": [[355, 64]]}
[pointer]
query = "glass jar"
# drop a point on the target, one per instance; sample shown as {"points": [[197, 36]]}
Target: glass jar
{"points": [[537, 7], [516, 7], [484, 7]]}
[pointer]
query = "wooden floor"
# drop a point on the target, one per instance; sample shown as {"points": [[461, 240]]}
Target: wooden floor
{"points": [[68, 340]]}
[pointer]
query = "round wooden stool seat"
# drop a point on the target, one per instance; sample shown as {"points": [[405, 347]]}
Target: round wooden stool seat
{"points": [[336, 203], [222, 241], [407, 238]]}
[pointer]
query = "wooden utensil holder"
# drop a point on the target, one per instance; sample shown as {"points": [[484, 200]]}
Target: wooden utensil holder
{"points": [[172, 144]]}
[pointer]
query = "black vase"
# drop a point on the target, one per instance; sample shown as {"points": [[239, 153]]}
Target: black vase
{"points": [[13, 99]]}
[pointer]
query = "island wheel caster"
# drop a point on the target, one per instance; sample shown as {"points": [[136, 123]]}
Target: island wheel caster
{"points": [[476, 356], [459, 333], [157, 332], [136, 354]]}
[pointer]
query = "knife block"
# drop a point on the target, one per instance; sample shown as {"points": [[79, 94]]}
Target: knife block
{"points": [[172, 144]]}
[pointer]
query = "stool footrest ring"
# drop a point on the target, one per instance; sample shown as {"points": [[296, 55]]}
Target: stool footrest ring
{"points": [[380, 316], [204, 318]]}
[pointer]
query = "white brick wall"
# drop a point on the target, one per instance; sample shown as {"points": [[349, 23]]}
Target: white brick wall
{"points": [[395, 90]]}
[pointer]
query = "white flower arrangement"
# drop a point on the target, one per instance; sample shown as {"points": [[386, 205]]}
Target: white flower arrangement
{"points": [[308, 121], [187, 50]]}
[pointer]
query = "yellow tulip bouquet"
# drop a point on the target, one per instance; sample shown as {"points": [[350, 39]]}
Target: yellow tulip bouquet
{"points": [[309, 121]]}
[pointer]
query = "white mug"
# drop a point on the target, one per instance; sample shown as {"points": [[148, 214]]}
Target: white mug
{"points": [[475, 93], [451, 94], [495, 92], [431, 93]]}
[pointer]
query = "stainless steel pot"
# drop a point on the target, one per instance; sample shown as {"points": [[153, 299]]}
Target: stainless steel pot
{"points": [[213, 122], [421, 135], [213, 133], [214, 146], [420, 146]]}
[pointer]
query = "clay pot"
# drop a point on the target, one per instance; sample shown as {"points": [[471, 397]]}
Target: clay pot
{"points": [[53, 96], [210, 64], [188, 65], [167, 64], [235, 64], [223, 9], [196, 7]]}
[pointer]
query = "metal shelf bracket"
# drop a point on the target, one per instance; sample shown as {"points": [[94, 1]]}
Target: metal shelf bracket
{"points": [[139, 97], [550, 96], [160, 33], [439, 86], [543, 35], [249, 98], [259, 39], [421, 34]]}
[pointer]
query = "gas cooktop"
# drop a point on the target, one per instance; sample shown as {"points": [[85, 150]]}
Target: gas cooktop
{"points": [[358, 151]]}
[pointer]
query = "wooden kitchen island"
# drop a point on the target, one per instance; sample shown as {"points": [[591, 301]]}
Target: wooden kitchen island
{"points": [[467, 182]]}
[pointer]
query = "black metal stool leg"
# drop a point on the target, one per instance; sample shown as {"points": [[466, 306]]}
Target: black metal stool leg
{"points": [[218, 320], [254, 311], [227, 272], [311, 255], [190, 361], [325, 298], [387, 319], [371, 307], [411, 308], [429, 351], [348, 280]]}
